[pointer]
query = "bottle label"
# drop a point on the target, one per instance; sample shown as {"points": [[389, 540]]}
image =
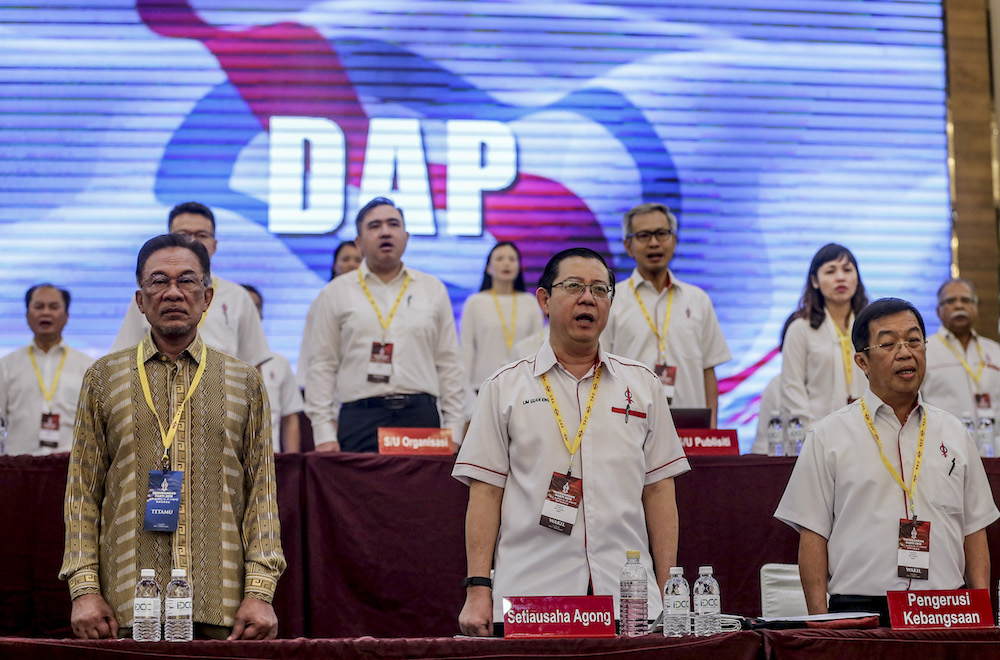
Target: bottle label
{"points": [[676, 605], [707, 604], [146, 608], [179, 607]]}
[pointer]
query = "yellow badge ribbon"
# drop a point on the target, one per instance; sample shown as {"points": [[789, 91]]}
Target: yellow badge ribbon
{"points": [[371, 300], [575, 445], [167, 435], [846, 354], [974, 376], [660, 337], [508, 337], [47, 393], [912, 489]]}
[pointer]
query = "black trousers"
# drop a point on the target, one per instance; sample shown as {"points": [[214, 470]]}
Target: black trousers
{"points": [[359, 421]]}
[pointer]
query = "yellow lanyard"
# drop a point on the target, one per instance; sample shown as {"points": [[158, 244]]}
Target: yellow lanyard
{"points": [[508, 337], [205, 313], [845, 353], [661, 338], [974, 376], [583, 422], [168, 435], [47, 393], [385, 322], [916, 463]]}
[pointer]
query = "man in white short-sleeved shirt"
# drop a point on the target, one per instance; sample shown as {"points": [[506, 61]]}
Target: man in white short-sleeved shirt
{"points": [[516, 459], [963, 368], [853, 513], [231, 324], [668, 325], [40, 383], [383, 343]]}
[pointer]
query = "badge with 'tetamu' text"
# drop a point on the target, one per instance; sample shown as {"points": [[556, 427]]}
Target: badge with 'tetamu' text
{"points": [[562, 503], [163, 501]]}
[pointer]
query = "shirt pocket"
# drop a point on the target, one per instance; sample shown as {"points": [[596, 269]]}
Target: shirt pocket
{"points": [[947, 494]]}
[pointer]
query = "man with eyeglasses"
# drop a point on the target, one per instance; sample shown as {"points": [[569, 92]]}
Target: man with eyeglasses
{"points": [[383, 346], [889, 492], [172, 467], [963, 368], [668, 325], [231, 324], [570, 460]]}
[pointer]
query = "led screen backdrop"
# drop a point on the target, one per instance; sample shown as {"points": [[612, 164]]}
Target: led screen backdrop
{"points": [[772, 127]]}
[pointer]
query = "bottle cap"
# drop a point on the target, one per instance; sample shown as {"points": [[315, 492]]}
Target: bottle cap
{"points": [[632, 554], [704, 570], [178, 572], [676, 570], [147, 573], [775, 413]]}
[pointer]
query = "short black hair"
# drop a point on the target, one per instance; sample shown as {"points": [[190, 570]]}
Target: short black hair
{"points": [[45, 285], [254, 290], [164, 241], [552, 268], [378, 201], [861, 336], [195, 208]]}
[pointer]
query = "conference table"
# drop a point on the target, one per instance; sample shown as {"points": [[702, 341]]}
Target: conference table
{"points": [[375, 544]]}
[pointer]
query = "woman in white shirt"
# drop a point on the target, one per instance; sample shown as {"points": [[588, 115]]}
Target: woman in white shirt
{"points": [[818, 373], [497, 317]]}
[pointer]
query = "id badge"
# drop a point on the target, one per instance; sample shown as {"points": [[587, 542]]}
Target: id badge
{"points": [[914, 549], [983, 401], [163, 501], [562, 503], [380, 364], [48, 436], [668, 378]]}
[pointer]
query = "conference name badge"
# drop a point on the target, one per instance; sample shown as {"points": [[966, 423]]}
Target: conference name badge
{"points": [[163, 501], [48, 435], [562, 503], [914, 548], [380, 364], [983, 401], [668, 378]]}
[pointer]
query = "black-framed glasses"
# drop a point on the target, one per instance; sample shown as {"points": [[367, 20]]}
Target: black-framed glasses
{"points": [[197, 235], [599, 290], [644, 236], [160, 283], [894, 346]]}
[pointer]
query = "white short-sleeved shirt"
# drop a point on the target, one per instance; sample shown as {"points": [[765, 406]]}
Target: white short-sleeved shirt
{"points": [[425, 354], [948, 385], [484, 346], [694, 340], [282, 392], [841, 490], [231, 325], [813, 381], [22, 400], [514, 443]]}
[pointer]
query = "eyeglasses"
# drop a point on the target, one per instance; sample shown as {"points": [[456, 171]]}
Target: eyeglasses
{"points": [[599, 290], [894, 346], [197, 235], [644, 236], [965, 300], [160, 283]]}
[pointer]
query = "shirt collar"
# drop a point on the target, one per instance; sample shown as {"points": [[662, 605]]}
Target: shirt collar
{"points": [[150, 350], [38, 349], [545, 360], [874, 404], [950, 336], [366, 272], [638, 280]]}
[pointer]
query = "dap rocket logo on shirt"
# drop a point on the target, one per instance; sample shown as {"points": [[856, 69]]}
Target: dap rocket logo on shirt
{"points": [[627, 411], [345, 120]]}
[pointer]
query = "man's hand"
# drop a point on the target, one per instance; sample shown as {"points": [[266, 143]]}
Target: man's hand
{"points": [[255, 620], [92, 618], [332, 446], [476, 618]]}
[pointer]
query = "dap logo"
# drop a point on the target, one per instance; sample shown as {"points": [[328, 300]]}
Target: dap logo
{"points": [[347, 120]]}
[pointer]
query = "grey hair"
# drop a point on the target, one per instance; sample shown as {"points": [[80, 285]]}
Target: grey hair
{"points": [[648, 207], [957, 280]]}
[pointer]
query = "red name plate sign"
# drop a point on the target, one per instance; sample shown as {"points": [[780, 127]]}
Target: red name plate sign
{"points": [[558, 616], [410, 441], [934, 610], [709, 442]]}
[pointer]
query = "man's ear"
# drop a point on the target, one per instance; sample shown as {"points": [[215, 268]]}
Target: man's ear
{"points": [[861, 359], [542, 296]]}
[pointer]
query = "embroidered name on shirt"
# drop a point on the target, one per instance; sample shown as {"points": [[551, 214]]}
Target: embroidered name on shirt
{"points": [[540, 399]]}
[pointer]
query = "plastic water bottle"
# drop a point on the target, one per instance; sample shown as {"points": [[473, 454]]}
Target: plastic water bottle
{"points": [[707, 604], [970, 425], [179, 626], [676, 604], [775, 435], [796, 436], [984, 435], [633, 604], [146, 608]]}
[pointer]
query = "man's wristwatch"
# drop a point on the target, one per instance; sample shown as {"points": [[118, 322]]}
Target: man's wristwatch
{"points": [[478, 582]]}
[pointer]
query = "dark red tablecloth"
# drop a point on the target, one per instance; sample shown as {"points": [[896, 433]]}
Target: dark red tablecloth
{"points": [[882, 644]]}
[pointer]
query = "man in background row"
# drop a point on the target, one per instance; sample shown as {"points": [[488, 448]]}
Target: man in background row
{"points": [[383, 343], [282, 393], [232, 323], [963, 368], [40, 382], [668, 325]]}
